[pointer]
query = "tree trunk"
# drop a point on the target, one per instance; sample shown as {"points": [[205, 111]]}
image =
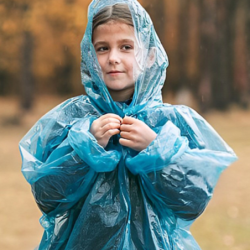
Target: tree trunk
{"points": [[241, 50], [223, 78], [183, 44], [27, 79], [207, 52]]}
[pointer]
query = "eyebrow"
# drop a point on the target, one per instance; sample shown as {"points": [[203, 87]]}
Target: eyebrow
{"points": [[120, 41]]}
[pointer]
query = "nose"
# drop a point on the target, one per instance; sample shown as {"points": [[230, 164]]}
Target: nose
{"points": [[114, 57]]}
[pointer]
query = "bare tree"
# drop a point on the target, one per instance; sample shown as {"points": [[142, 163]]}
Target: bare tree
{"points": [[183, 44], [26, 80], [26, 76], [223, 77], [241, 54], [207, 52]]}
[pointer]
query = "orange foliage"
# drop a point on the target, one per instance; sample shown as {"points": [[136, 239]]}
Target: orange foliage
{"points": [[55, 26]]}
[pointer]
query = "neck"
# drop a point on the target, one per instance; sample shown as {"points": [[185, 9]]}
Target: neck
{"points": [[122, 95]]}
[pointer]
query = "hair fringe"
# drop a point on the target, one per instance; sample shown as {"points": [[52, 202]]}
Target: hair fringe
{"points": [[117, 12]]}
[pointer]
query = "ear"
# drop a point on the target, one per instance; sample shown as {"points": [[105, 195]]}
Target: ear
{"points": [[151, 57]]}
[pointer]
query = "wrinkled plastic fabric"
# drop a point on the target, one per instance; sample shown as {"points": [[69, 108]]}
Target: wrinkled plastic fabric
{"points": [[116, 198]]}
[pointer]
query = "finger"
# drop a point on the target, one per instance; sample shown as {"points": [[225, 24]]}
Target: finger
{"points": [[125, 142], [109, 126], [110, 115], [128, 120], [126, 135], [111, 132], [126, 127], [109, 120]]}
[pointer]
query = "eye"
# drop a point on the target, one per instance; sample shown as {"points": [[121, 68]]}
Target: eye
{"points": [[101, 49], [127, 47]]}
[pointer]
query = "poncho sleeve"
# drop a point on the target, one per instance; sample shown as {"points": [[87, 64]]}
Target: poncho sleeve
{"points": [[181, 167], [61, 158]]}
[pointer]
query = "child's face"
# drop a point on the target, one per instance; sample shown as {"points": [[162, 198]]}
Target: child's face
{"points": [[114, 44]]}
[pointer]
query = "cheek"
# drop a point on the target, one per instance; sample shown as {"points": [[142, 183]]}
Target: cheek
{"points": [[101, 60], [131, 65]]}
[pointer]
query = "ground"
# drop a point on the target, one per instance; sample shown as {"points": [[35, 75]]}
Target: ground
{"points": [[225, 224]]}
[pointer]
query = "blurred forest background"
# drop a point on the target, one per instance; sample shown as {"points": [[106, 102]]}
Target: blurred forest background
{"points": [[208, 44]]}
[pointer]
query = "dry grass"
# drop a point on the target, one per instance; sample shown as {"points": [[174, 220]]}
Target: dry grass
{"points": [[225, 225]]}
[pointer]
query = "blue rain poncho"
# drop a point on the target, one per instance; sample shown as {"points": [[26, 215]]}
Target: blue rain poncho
{"points": [[97, 198]]}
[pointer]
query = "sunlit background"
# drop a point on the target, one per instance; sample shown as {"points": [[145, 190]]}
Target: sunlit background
{"points": [[208, 44]]}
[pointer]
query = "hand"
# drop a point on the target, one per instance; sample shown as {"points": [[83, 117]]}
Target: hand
{"points": [[135, 134], [104, 127]]}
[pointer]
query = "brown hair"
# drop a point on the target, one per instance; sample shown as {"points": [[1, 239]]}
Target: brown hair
{"points": [[117, 12]]}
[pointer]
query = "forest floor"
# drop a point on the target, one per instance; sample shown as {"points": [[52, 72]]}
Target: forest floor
{"points": [[225, 224]]}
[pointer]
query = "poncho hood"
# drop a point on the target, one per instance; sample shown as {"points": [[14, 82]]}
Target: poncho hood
{"points": [[151, 79]]}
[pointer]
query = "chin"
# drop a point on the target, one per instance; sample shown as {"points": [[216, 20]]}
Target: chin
{"points": [[116, 87]]}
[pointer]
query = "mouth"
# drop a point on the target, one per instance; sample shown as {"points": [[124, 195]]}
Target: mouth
{"points": [[114, 72]]}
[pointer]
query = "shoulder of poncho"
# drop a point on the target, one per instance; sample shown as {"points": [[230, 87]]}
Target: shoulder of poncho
{"points": [[182, 116], [72, 108], [181, 109]]}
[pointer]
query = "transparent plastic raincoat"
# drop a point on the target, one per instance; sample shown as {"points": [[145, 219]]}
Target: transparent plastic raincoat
{"points": [[97, 198]]}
